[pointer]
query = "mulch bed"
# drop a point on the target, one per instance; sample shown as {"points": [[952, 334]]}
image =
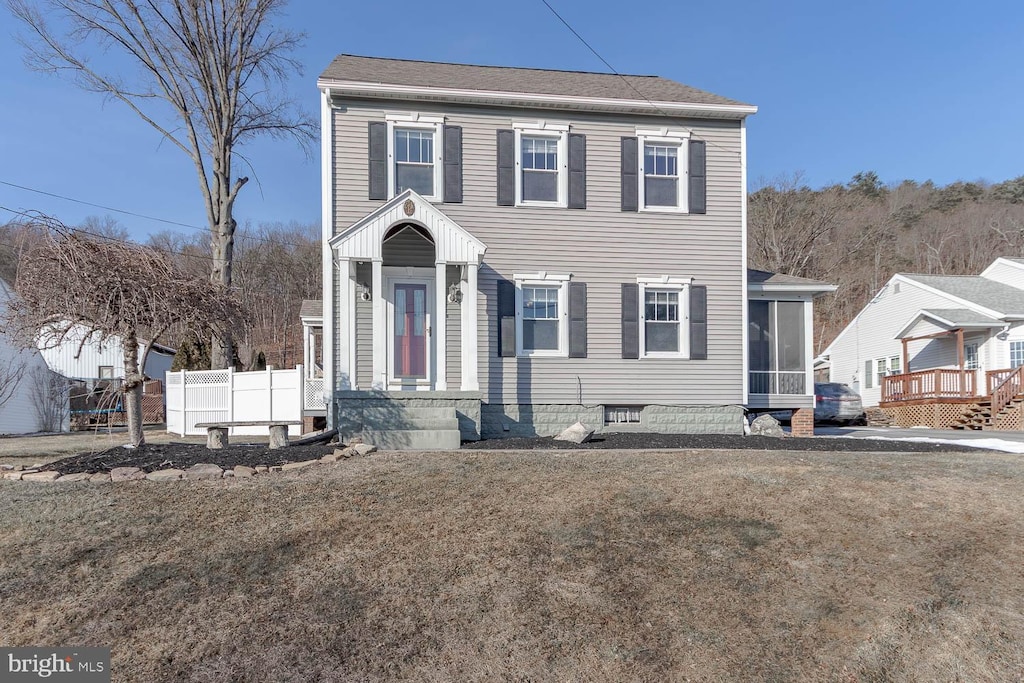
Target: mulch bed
{"points": [[152, 457]]}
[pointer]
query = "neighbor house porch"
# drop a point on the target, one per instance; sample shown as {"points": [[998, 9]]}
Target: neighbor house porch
{"points": [[948, 380]]}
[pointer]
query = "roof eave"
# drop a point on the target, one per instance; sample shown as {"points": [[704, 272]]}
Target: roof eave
{"points": [[793, 288], [538, 100]]}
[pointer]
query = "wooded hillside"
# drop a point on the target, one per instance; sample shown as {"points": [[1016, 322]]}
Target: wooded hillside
{"points": [[859, 234]]}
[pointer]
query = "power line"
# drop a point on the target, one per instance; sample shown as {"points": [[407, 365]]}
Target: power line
{"points": [[624, 79], [126, 212]]}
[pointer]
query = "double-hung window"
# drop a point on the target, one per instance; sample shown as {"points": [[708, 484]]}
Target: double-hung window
{"points": [[415, 154], [541, 164], [971, 356], [1016, 354], [664, 332], [541, 315], [663, 169]]}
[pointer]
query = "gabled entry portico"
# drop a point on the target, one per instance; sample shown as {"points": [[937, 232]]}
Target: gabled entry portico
{"points": [[410, 246]]}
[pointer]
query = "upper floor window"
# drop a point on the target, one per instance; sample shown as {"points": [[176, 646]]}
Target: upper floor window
{"points": [[662, 173], [106, 372], [414, 161], [541, 164], [415, 155]]}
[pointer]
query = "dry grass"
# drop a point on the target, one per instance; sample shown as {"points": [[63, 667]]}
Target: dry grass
{"points": [[535, 566]]}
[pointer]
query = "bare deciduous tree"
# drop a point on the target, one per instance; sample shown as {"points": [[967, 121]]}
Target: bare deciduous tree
{"points": [[74, 283], [217, 65]]}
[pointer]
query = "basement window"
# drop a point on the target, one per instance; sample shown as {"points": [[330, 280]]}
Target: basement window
{"points": [[622, 415]]}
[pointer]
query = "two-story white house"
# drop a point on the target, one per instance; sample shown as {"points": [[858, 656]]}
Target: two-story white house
{"points": [[507, 251]]}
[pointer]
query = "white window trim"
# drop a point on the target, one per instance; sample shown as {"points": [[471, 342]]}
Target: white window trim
{"points": [[544, 279], [414, 121], [666, 283], [543, 129], [665, 136]]}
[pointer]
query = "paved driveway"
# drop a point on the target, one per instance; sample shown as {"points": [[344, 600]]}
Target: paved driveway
{"points": [[1007, 441]]}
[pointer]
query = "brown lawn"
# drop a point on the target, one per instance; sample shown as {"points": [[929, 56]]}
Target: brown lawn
{"points": [[535, 566]]}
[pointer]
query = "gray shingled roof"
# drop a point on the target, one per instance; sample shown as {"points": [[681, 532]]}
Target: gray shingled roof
{"points": [[311, 308], [764, 277], [995, 296], [515, 79], [961, 316]]}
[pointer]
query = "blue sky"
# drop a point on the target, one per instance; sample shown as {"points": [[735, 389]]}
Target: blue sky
{"points": [[918, 90]]}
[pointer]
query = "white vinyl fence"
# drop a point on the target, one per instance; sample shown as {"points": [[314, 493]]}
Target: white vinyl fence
{"points": [[228, 396]]}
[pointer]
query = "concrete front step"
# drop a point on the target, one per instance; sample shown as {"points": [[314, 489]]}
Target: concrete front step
{"points": [[414, 439], [396, 410]]}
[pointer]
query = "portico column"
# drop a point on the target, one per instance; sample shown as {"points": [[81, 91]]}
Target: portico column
{"points": [[470, 355], [380, 341], [345, 331], [441, 326]]}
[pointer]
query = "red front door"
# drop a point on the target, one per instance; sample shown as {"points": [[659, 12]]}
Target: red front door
{"points": [[410, 325]]}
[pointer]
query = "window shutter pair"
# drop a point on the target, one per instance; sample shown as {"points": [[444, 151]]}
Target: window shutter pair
{"points": [[631, 182], [631, 321], [507, 319], [378, 162], [577, 164]]}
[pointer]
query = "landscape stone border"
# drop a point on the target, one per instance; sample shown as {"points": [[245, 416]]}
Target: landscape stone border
{"points": [[198, 472]]}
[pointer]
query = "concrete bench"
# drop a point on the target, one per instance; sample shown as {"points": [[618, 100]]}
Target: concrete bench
{"points": [[217, 432]]}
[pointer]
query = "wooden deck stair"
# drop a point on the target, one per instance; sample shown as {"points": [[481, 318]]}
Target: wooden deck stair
{"points": [[977, 415]]}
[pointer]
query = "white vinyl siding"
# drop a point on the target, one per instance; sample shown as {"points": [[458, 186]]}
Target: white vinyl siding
{"points": [[871, 336], [601, 246]]}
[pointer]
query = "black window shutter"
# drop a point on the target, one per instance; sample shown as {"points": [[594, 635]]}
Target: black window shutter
{"points": [[698, 177], [577, 171], [631, 320], [378, 157], [630, 186], [698, 322], [577, 320], [506, 318], [506, 168], [453, 164]]}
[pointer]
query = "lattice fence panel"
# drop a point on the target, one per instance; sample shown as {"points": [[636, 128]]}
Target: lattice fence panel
{"points": [[936, 415]]}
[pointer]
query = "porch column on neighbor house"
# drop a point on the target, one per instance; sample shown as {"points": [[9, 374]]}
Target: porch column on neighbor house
{"points": [[344, 332], [380, 342], [470, 379], [441, 326], [960, 360]]}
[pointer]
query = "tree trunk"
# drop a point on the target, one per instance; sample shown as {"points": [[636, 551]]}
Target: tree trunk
{"points": [[132, 389], [222, 247]]}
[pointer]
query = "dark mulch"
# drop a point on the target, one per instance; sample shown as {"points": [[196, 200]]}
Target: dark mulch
{"points": [[630, 440], [152, 457]]}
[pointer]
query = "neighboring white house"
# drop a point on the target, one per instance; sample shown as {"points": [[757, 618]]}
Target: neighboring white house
{"points": [[21, 372], [970, 328], [99, 360]]}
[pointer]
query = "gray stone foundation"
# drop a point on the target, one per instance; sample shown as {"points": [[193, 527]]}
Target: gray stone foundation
{"points": [[359, 411], [510, 420]]}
